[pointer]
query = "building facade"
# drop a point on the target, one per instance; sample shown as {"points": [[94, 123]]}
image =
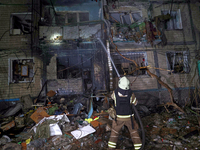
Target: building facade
{"points": [[161, 36], [65, 45], [21, 66]]}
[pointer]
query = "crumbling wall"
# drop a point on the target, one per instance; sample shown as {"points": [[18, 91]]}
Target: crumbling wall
{"points": [[62, 86], [178, 35], [52, 68], [177, 40]]}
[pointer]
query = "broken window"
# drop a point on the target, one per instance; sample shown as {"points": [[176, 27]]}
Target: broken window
{"points": [[124, 66], [20, 23], [74, 17], [21, 70], [175, 22], [68, 68], [136, 16], [125, 18], [178, 62]]}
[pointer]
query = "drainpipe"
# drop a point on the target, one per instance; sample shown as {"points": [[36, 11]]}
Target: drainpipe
{"points": [[107, 24]]}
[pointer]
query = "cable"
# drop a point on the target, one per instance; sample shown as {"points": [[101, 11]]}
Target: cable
{"points": [[4, 33], [12, 28]]}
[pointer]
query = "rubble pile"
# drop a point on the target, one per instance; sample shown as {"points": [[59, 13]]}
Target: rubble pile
{"points": [[83, 122], [174, 130]]}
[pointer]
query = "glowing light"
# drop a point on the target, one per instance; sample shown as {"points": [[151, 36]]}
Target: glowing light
{"points": [[55, 36]]}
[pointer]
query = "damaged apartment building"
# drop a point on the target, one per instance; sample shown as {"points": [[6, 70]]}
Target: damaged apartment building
{"points": [[62, 42], [74, 47]]}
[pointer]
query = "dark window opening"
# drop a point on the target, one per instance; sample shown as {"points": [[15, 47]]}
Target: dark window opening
{"points": [[20, 23], [66, 70], [178, 62], [72, 17]]}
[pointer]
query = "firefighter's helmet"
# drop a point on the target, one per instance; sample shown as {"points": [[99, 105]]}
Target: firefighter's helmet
{"points": [[124, 83]]}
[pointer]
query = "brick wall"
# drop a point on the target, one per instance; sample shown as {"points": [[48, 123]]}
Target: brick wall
{"points": [[14, 41], [16, 90], [177, 80], [16, 46], [66, 86]]}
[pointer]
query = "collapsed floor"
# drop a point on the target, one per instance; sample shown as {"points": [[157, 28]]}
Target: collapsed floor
{"points": [[49, 126]]}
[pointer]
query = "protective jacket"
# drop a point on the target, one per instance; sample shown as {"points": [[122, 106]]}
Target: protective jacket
{"points": [[123, 106]]}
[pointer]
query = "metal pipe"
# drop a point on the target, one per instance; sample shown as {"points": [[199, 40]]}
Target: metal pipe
{"points": [[109, 56]]}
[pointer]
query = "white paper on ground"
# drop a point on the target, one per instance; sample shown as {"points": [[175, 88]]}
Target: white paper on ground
{"points": [[84, 131], [55, 129]]}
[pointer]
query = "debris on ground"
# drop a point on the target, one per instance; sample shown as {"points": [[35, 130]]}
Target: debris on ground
{"points": [[83, 122]]}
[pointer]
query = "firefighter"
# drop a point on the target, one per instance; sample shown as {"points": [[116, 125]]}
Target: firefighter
{"points": [[123, 101]]}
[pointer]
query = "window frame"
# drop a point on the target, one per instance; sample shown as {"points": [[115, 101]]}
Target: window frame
{"points": [[171, 21], [10, 70], [131, 54], [121, 14], [187, 59], [11, 21], [77, 16]]}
